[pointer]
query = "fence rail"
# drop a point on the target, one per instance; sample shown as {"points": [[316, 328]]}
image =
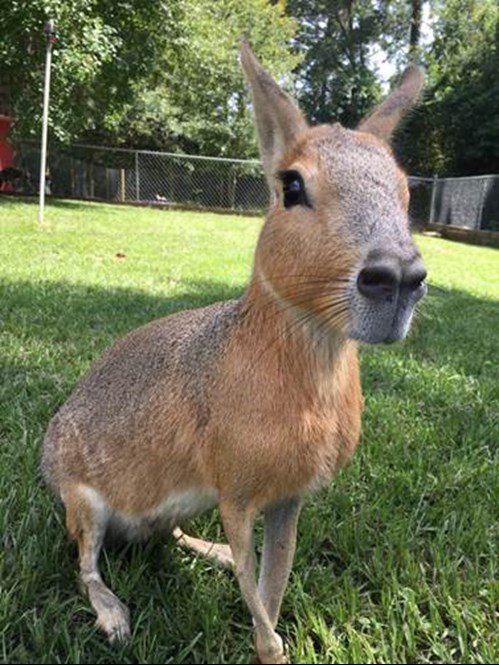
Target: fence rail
{"points": [[161, 178]]}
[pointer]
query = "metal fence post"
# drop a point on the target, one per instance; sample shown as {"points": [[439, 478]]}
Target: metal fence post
{"points": [[137, 176], [433, 198], [51, 39], [479, 212], [122, 185]]}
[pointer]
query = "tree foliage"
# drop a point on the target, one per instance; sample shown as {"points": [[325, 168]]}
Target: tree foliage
{"points": [[456, 129], [86, 44], [139, 72], [165, 74], [200, 101], [337, 78]]}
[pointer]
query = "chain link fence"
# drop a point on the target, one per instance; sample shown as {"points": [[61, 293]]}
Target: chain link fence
{"points": [[209, 183], [472, 202], [144, 176]]}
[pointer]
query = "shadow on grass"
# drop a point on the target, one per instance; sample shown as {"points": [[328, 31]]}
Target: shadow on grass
{"points": [[48, 309], [55, 323], [403, 503], [76, 205], [453, 329]]}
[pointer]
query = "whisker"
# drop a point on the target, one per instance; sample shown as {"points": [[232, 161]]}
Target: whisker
{"points": [[303, 302], [337, 313], [306, 277]]}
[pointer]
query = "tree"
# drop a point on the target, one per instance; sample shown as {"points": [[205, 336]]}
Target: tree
{"points": [[86, 43], [456, 130], [337, 79], [415, 30], [156, 74], [200, 103]]}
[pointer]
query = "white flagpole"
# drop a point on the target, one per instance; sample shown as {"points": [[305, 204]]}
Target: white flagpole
{"points": [[51, 38]]}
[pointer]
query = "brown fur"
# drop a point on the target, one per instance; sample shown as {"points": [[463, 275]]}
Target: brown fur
{"points": [[254, 402]]}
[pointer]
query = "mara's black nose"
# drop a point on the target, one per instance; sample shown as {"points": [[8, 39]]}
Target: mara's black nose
{"points": [[381, 282], [378, 282]]}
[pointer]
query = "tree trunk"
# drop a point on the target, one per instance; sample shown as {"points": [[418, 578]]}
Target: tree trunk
{"points": [[415, 33]]}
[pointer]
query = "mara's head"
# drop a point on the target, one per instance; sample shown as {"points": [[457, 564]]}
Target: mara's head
{"points": [[336, 246]]}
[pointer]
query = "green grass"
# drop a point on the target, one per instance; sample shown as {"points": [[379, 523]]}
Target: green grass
{"points": [[396, 562]]}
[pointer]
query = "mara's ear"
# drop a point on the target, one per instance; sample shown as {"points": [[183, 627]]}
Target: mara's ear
{"points": [[384, 119], [278, 120]]}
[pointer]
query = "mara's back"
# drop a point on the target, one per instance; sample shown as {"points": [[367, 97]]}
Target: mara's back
{"points": [[142, 403]]}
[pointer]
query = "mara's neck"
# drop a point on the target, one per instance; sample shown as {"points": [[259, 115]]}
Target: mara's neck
{"points": [[299, 342]]}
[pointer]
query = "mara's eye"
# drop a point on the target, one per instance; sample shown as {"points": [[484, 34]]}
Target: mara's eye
{"points": [[293, 189]]}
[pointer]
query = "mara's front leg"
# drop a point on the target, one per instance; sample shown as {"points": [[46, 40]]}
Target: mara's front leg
{"points": [[238, 525], [279, 546]]}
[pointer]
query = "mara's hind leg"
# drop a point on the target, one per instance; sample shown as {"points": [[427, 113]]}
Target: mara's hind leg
{"points": [[218, 552], [87, 518]]}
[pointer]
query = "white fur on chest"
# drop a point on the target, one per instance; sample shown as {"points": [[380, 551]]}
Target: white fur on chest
{"points": [[189, 503], [174, 509]]}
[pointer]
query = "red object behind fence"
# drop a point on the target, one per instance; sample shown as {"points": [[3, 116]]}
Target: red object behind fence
{"points": [[7, 153]]}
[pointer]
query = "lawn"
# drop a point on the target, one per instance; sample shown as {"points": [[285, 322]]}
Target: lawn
{"points": [[396, 562]]}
